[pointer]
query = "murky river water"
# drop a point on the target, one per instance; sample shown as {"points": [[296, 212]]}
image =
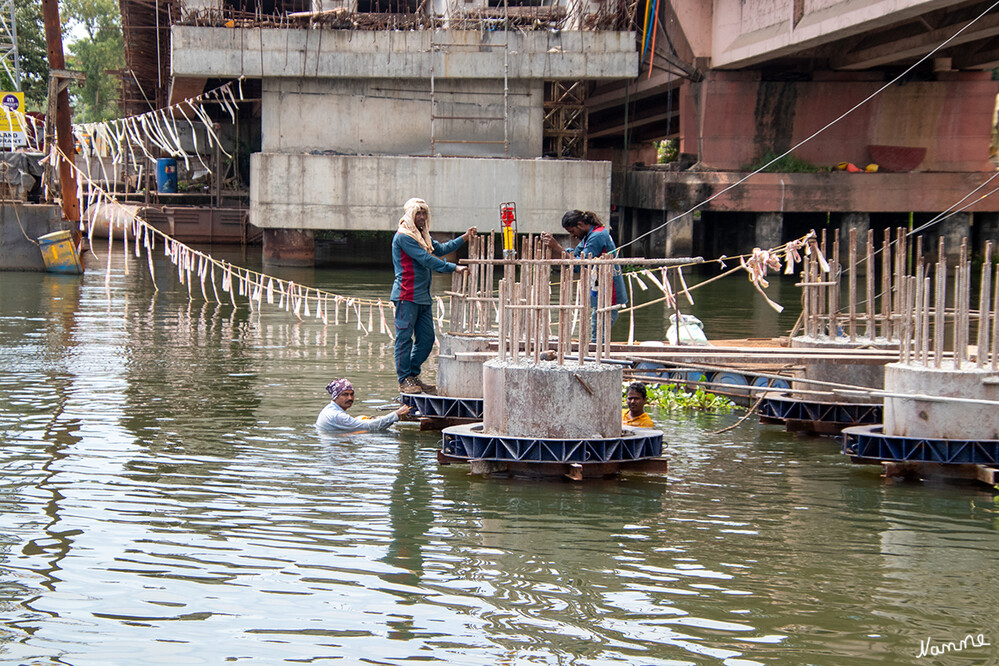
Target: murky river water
{"points": [[166, 500]]}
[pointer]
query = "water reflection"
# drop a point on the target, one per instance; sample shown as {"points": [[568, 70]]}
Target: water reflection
{"points": [[167, 500]]}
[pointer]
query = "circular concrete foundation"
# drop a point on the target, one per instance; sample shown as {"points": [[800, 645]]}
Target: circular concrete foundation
{"points": [[551, 401], [866, 374], [912, 417], [459, 364]]}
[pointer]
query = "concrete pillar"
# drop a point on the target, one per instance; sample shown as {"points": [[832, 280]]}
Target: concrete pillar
{"points": [[655, 243], [459, 365], [289, 247], [769, 230], [551, 401], [912, 417], [953, 230], [859, 221], [680, 235], [847, 221], [986, 229]]}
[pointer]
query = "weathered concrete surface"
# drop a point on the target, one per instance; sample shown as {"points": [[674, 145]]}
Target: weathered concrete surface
{"points": [[363, 192], [746, 33], [907, 417], [461, 376], [769, 229], [289, 247], [549, 401], [733, 118], [17, 252], [285, 52], [806, 192], [865, 375], [336, 115]]}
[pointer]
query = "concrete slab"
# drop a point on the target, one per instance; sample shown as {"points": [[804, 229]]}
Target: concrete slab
{"points": [[366, 192]]}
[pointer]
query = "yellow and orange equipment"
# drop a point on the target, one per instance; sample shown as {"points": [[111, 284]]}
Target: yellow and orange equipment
{"points": [[508, 221]]}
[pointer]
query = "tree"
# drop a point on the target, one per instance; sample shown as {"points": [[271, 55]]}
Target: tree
{"points": [[98, 54], [33, 55]]}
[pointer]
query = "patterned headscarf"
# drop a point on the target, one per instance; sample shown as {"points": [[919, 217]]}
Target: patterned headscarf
{"points": [[338, 386], [407, 224]]}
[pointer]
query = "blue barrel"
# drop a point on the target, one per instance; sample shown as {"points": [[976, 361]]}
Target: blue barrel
{"points": [[166, 175]]}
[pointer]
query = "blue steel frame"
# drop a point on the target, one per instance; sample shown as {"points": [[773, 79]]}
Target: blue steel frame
{"points": [[868, 442], [469, 442], [784, 408], [441, 406]]}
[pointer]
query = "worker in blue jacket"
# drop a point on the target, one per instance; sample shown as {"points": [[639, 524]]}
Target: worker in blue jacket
{"points": [[414, 255], [594, 241]]}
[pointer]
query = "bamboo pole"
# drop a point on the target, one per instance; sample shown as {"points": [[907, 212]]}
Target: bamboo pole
{"points": [[869, 284], [984, 307], [834, 289], [852, 287]]}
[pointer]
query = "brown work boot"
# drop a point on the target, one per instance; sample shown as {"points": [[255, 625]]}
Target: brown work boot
{"points": [[426, 388], [409, 385]]}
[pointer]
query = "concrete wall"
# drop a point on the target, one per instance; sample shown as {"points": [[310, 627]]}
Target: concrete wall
{"points": [[379, 54], [358, 192], [950, 118], [393, 116], [838, 191]]}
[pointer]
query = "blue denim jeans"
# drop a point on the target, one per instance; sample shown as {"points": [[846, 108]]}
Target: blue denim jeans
{"points": [[412, 320]]}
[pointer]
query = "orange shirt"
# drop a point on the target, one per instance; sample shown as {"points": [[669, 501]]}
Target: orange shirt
{"points": [[643, 420]]}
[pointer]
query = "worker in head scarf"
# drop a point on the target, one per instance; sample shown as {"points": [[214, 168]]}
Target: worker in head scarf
{"points": [[334, 416], [414, 255]]}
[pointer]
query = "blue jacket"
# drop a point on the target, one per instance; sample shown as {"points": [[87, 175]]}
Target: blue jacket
{"points": [[597, 243], [413, 265]]}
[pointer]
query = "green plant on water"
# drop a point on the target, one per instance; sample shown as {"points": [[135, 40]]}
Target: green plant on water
{"points": [[673, 398], [786, 164]]}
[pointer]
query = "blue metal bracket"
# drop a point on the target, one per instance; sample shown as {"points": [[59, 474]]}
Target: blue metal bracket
{"points": [[469, 442], [442, 406], [870, 443]]}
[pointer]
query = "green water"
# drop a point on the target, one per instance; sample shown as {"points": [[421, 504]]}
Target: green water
{"points": [[166, 500]]}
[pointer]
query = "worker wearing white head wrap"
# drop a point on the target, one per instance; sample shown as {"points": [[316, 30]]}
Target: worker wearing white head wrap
{"points": [[407, 223], [414, 255]]}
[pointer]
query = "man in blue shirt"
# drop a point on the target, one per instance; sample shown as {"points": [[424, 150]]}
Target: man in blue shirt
{"points": [[414, 255], [594, 241]]}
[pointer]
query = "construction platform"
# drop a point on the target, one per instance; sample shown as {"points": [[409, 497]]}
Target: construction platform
{"points": [[436, 412], [637, 449], [822, 418]]}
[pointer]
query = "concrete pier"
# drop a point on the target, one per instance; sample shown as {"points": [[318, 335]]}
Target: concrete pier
{"points": [[913, 417], [858, 372], [459, 374], [551, 401]]}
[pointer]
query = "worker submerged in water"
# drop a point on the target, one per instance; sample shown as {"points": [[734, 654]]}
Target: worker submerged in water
{"points": [[334, 417], [634, 414]]}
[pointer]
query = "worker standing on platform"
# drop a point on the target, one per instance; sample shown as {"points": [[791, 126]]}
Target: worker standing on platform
{"points": [[414, 255], [594, 241], [634, 414]]}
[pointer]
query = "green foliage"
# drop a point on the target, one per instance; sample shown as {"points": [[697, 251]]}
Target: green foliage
{"points": [[33, 55], [667, 150], [99, 54], [672, 398], [786, 164]]}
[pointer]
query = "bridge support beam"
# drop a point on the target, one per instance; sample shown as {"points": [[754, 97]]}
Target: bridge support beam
{"points": [[289, 247], [769, 230]]}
